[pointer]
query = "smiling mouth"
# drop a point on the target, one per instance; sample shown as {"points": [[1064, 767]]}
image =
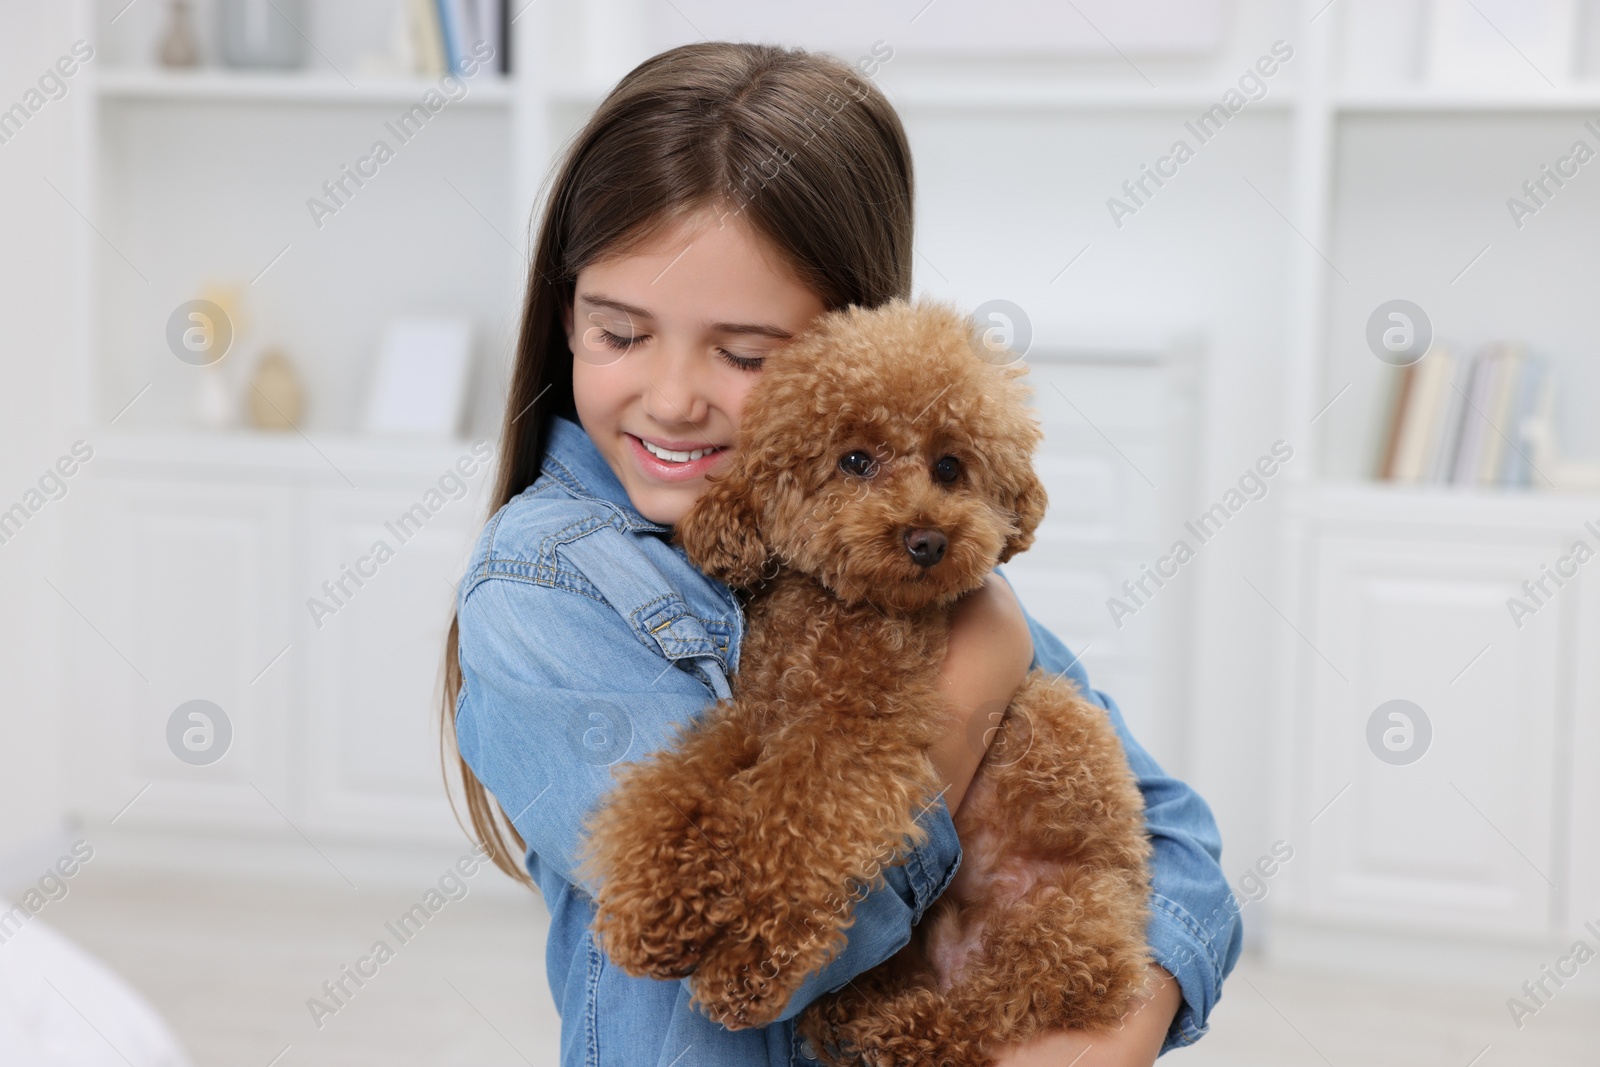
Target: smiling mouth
{"points": [[669, 455]]}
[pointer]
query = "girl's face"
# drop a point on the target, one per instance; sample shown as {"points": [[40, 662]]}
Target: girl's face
{"points": [[666, 342]]}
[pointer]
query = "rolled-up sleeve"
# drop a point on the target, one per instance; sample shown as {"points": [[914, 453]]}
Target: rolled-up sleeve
{"points": [[541, 721], [1195, 930]]}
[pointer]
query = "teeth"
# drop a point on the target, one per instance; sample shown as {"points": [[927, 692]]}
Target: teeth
{"points": [[675, 457]]}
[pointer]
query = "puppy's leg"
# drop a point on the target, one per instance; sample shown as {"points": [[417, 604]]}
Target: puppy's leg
{"points": [[1072, 784], [1062, 959], [1064, 938], [909, 1026], [661, 848], [827, 814]]}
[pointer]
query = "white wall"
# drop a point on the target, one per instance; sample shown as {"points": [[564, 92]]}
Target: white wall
{"points": [[40, 240]]}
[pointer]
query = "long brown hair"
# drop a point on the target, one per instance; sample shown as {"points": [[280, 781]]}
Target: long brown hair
{"points": [[798, 145]]}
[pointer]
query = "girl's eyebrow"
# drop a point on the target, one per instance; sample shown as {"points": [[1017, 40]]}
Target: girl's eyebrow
{"points": [[765, 329], [606, 302]]}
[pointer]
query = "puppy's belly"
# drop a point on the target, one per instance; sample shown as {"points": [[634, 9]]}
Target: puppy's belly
{"points": [[993, 874]]}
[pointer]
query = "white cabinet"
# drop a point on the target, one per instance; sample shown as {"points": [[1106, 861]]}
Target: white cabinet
{"points": [[1121, 435], [199, 579], [1488, 836], [374, 667], [1462, 839], [178, 587], [1580, 761]]}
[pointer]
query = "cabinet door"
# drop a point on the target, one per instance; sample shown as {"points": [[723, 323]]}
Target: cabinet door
{"points": [[177, 597], [1461, 839], [1583, 758], [1118, 438], [375, 652]]}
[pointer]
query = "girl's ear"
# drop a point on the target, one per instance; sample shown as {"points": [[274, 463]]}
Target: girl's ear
{"points": [[1028, 505], [721, 533]]}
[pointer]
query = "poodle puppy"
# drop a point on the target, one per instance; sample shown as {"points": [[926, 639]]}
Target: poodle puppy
{"points": [[883, 468]]}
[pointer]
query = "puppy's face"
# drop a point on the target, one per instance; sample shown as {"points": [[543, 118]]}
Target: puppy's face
{"points": [[884, 453]]}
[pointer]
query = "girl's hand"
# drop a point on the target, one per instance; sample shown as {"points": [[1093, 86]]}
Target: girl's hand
{"points": [[1136, 1044], [984, 664]]}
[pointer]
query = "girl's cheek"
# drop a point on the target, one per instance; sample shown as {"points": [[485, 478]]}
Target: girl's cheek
{"points": [[590, 384], [735, 406], [581, 389]]}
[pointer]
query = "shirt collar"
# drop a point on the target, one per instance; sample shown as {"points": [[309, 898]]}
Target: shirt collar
{"points": [[571, 458]]}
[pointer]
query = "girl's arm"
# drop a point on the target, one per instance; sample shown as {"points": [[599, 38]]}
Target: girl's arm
{"points": [[1136, 1043], [1195, 932], [986, 661], [557, 688]]}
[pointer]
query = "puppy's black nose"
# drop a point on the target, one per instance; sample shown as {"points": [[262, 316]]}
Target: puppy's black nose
{"points": [[926, 546]]}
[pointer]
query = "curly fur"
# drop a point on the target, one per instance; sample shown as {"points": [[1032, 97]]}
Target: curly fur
{"points": [[735, 856]]}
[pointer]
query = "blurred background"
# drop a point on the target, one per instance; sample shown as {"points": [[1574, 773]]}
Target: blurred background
{"points": [[1307, 293]]}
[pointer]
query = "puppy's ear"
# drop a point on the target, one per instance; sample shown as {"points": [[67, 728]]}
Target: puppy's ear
{"points": [[721, 533], [1027, 503]]}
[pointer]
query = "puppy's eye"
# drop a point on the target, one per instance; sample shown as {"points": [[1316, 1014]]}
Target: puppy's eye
{"points": [[859, 464], [947, 470]]}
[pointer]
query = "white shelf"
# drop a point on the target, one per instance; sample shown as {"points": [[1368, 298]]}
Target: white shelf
{"points": [[1429, 99], [268, 455], [1069, 96], [1336, 502], [289, 87], [994, 95]]}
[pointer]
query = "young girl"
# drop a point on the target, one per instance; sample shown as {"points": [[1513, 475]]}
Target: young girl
{"points": [[720, 198]]}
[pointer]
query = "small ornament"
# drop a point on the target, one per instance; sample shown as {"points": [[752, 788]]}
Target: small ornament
{"points": [[179, 47], [276, 398], [213, 402], [1552, 470], [262, 34]]}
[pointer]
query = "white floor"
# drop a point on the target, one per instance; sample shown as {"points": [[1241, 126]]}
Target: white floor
{"points": [[231, 966]]}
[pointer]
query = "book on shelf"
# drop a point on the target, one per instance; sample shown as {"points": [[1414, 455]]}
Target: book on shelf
{"points": [[1453, 421], [448, 32]]}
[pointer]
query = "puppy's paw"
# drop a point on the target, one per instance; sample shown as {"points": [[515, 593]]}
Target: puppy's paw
{"points": [[741, 994], [651, 940], [666, 879], [656, 918], [748, 976]]}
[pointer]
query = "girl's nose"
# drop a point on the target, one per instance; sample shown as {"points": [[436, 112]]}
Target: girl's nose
{"points": [[675, 393]]}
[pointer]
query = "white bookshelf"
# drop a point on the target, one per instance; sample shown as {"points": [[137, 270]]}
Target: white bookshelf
{"points": [[1446, 101], [1394, 590], [200, 177], [1434, 157], [227, 87]]}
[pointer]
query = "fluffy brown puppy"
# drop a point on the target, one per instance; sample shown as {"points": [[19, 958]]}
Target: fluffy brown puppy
{"points": [[883, 468]]}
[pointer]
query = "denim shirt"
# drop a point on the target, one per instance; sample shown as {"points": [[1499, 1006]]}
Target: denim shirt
{"points": [[585, 637]]}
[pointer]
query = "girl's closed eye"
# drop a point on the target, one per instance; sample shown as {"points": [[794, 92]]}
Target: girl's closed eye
{"points": [[741, 362], [611, 340], [616, 341]]}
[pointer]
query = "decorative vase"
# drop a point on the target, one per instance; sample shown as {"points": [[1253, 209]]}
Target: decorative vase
{"points": [[276, 398], [262, 33], [213, 402], [179, 47]]}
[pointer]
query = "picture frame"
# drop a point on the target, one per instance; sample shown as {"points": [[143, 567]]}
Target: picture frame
{"points": [[419, 380]]}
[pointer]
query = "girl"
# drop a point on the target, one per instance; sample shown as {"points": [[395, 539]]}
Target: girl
{"points": [[720, 198]]}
